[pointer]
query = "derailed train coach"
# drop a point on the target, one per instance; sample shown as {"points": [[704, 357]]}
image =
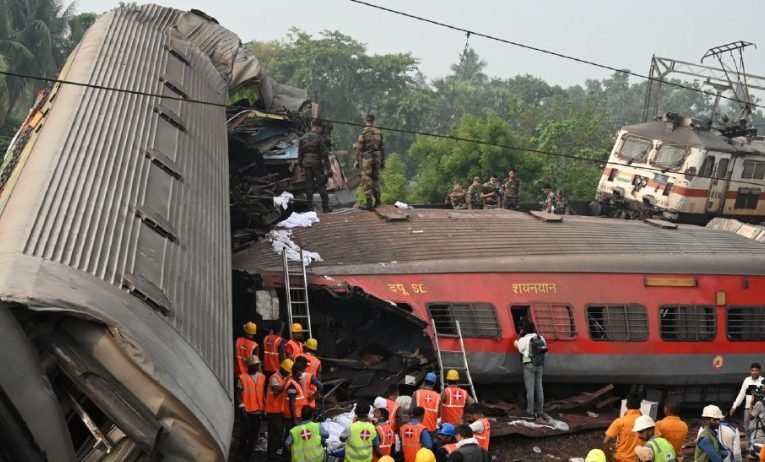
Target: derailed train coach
{"points": [[115, 305]]}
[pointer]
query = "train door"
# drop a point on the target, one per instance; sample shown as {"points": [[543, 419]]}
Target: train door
{"points": [[718, 184]]}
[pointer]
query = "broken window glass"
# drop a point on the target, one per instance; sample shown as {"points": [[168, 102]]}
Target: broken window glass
{"points": [[687, 323], [634, 150], [618, 323], [669, 157], [476, 319]]}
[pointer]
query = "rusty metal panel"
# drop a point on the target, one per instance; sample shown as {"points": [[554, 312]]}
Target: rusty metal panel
{"points": [[129, 193], [442, 241]]}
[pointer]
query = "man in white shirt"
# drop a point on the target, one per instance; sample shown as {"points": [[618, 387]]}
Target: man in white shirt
{"points": [[745, 395], [532, 374]]}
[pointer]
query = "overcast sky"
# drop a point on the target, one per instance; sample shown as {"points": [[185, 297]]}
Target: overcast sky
{"points": [[620, 33]]}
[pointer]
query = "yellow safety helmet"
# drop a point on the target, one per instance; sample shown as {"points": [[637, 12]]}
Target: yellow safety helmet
{"points": [[287, 365], [250, 328], [311, 344], [386, 459], [425, 455], [452, 375], [297, 328]]}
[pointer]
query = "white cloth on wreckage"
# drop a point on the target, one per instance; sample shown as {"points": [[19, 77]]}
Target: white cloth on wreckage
{"points": [[281, 241]]}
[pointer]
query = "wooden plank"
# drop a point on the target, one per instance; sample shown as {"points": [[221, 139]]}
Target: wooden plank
{"points": [[547, 217], [661, 223]]}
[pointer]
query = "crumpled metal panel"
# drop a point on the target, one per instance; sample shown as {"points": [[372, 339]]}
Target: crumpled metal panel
{"points": [[121, 193], [448, 241]]}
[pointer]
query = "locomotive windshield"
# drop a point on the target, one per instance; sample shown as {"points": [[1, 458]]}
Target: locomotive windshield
{"points": [[669, 157], [634, 149]]}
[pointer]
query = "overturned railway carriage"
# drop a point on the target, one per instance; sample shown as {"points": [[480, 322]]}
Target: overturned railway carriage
{"points": [[115, 306], [682, 170], [618, 301]]}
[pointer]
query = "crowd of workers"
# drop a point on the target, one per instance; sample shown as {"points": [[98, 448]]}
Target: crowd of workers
{"points": [[634, 437], [492, 195], [282, 389]]}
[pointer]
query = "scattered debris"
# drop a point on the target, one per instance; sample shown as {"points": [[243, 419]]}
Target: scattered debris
{"points": [[281, 241], [299, 220]]}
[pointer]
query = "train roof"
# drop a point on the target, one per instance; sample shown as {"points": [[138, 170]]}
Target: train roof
{"points": [[694, 137], [448, 241]]}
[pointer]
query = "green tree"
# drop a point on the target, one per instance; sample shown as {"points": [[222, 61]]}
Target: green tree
{"points": [[393, 180]]}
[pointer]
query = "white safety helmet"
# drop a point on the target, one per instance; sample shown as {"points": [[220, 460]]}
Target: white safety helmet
{"points": [[712, 412], [642, 423]]}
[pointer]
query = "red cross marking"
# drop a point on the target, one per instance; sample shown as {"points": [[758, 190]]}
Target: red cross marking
{"points": [[365, 435], [389, 435], [306, 434], [409, 433], [458, 395], [428, 398]]}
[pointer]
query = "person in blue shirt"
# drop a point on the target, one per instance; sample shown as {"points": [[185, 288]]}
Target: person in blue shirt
{"points": [[708, 445]]}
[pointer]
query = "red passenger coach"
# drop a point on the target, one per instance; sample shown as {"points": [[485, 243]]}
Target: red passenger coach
{"points": [[618, 301]]}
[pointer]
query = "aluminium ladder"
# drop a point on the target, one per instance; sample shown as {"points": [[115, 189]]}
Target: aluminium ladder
{"points": [[460, 365], [296, 289]]}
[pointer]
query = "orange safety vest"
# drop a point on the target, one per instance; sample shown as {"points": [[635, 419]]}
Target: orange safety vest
{"points": [[387, 440], [308, 388], [392, 413], [314, 364], [410, 440], [244, 348], [455, 399], [275, 401], [450, 448], [271, 352], [293, 349], [430, 401], [483, 437], [300, 399], [252, 392]]}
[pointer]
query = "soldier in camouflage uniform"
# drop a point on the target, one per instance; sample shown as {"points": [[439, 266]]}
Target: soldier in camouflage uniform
{"points": [[370, 159], [474, 195], [457, 198], [511, 188], [549, 202], [313, 158], [560, 206], [491, 194]]}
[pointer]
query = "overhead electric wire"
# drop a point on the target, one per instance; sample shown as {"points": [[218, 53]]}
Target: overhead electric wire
{"points": [[549, 52], [359, 124]]}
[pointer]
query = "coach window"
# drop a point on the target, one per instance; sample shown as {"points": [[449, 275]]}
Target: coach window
{"points": [[553, 320], [747, 198], [617, 322], [477, 320], [707, 167], [746, 323], [687, 323], [753, 170]]}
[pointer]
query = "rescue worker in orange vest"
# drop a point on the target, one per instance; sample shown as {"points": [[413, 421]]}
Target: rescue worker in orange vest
{"points": [[294, 346], [445, 442], [272, 344], [309, 353], [311, 385], [388, 438], [414, 435], [294, 397], [479, 424], [275, 408], [244, 347], [453, 399], [395, 413], [429, 400], [250, 388]]}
